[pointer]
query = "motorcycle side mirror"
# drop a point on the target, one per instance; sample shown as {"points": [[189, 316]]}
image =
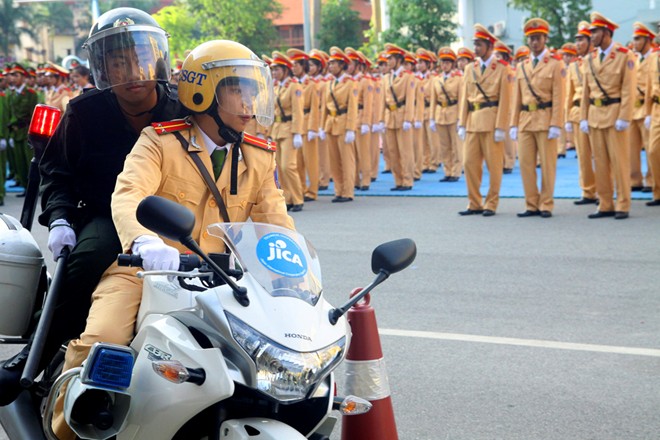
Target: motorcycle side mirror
{"points": [[166, 218], [176, 222], [386, 259], [393, 256]]}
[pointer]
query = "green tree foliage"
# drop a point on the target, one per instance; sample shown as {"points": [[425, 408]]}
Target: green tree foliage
{"points": [[250, 22], [14, 21], [562, 15], [183, 28], [421, 23], [340, 25], [144, 5]]}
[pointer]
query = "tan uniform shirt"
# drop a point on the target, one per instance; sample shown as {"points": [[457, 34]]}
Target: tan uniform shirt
{"points": [[401, 86], [445, 111], [288, 103], [311, 104], [341, 106], [616, 75], [365, 99], [652, 88], [547, 82], [574, 86], [639, 111], [496, 82], [158, 165], [377, 100]]}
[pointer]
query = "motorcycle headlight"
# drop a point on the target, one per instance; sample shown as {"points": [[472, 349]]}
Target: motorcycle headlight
{"points": [[285, 374]]}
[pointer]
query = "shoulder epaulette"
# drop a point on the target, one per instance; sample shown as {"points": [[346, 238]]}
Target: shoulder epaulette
{"points": [[256, 141], [171, 126], [31, 90], [456, 73], [557, 57], [623, 49], [294, 80], [503, 62]]}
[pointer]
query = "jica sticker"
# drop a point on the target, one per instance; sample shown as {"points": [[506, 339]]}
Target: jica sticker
{"points": [[279, 254]]}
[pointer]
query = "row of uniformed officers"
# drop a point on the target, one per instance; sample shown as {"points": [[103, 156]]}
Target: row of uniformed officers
{"points": [[333, 113]]}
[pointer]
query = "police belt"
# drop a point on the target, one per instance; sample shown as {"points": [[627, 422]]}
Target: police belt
{"points": [[576, 103], [393, 107], [481, 105], [535, 106], [334, 113], [306, 111], [656, 100], [639, 103], [284, 118], [604, 102], [445, 104], [360, 106]]}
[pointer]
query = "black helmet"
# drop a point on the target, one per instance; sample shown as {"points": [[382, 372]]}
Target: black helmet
{"points": [[126, 45]]}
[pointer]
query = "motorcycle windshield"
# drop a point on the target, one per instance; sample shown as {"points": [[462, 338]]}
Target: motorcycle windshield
{"points": [[282, 261]]}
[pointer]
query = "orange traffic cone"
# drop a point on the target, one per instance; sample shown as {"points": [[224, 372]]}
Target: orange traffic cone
{"points": [[366, 377]]}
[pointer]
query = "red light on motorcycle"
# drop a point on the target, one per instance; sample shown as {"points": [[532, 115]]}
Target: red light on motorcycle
{"points": [[44, 120]]}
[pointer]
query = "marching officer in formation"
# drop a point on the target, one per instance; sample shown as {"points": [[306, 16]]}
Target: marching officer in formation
{"points": [[537, 118]]}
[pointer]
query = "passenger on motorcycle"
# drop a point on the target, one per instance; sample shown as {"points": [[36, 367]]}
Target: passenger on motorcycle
{"points": [[224, 85], [128, 55]]}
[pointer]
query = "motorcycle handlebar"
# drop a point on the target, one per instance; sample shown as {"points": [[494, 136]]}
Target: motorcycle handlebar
{"points": [[188, 262]]}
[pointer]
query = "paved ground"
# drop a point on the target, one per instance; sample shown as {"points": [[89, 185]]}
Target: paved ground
{"points": [[505, 328]]}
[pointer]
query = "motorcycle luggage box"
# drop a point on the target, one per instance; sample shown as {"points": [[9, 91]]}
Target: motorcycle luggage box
{"points": [[20, 265]]}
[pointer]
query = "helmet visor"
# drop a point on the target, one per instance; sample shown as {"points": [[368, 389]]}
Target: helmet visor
{"points": [[127, 55], [244, 88]]}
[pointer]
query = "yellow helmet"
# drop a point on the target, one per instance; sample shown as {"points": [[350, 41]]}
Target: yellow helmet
{"points": [[220, 65]]}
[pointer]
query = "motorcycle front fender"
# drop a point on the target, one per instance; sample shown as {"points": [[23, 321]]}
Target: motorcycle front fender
{"points": [[255, 428]]}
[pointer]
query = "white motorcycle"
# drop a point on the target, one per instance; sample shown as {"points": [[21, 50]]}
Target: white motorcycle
{"points": [[235, 346]]}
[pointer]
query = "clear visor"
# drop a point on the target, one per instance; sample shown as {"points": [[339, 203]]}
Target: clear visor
{"points": [[245, 90], [126, 56]]}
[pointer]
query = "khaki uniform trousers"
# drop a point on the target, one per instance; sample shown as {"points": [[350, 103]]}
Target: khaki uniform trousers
{"points": [[653, 159], [324, 162], [585, 159], [287, 171], [612, 154], [639, 139], [308, 167], [431, 148], [419, 143], [480, 146], [376, 139], [386, 151], [363, 157], [399, 144], [450, 148], [111, 319], [510, 151], [342, 164], [561, 144], [531, 144]]}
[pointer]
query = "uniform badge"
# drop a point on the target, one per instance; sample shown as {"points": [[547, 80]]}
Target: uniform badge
{"points": [[355, 92], [298, 93], [631, 65], [369, 88], [563, 73], [412, 85]]}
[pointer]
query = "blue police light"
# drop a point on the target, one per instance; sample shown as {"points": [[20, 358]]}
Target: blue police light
{"points": [[109, 366]]}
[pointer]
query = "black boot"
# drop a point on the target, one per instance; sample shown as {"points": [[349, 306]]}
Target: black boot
{"points": [[10, 376]]}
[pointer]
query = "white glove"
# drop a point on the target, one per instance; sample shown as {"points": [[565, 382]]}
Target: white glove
{"points": [[568, 127], [499, 135], [350, 137], [297, 141], [61, 235], [554, 133], [381, 127], [406, 125], [417, 125], [156, 255], [364, 129], [3, 144], [513, 133], [375, 128], [311, 135], [647, 122], [584, 126], [621, 125], [321, 134], [261, 136], [461, 133], [11, 142], [432, 125]]}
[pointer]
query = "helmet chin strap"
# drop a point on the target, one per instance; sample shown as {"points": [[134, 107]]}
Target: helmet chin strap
{"points": [[227, 133]]}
